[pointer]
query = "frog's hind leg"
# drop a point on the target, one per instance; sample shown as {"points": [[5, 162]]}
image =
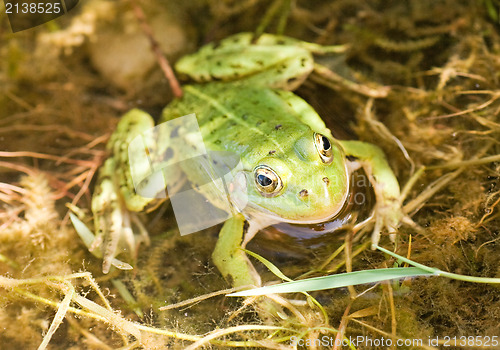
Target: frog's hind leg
{"points": [[115, 201]]}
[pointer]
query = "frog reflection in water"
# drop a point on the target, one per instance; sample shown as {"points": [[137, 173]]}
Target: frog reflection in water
{"points": [[295, 171]]}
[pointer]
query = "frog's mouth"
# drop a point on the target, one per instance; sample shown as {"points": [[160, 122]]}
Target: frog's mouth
{"points": [[321, 214], [255, 211], [316, 219]]}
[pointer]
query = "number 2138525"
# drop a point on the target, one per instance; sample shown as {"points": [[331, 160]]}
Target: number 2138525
{"points": [[33, 7], [474, 341]]}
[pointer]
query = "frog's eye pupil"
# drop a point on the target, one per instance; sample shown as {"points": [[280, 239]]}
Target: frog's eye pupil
{"points": [[326, 143], [264, 180], [324, 148], [267, 181]]}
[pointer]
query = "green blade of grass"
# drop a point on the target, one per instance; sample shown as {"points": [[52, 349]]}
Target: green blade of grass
{"points": [[270, 266], [337, 281], [438, 272]]}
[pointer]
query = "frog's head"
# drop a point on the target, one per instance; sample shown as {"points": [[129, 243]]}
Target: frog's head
{"points": [[306, 183]]}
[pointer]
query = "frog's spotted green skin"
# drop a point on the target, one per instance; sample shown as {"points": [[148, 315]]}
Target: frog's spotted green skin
{"points": [[271, 129], [295, 171], [270, 60]]}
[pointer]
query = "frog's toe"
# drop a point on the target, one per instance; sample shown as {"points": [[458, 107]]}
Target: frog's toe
{"points": [[125, 234], [94, 243], [388, 216]]}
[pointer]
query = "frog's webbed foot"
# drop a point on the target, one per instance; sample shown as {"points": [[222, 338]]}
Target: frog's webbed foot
{"points": [[329, 78], [114, 201], [116, 227], [388, 215]]}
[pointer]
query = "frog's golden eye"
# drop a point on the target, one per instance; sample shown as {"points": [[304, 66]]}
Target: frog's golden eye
{"points": [[324, 147], [267, 181]]}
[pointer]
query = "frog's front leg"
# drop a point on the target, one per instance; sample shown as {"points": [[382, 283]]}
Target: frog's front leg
{"points": [[115, 201], [230, 259], [388, 212]]}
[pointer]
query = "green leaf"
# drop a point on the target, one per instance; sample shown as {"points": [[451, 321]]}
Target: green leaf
{"points": [[337, 281]]}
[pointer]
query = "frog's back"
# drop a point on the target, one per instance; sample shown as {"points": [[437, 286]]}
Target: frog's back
{"points": [[251, 121]]}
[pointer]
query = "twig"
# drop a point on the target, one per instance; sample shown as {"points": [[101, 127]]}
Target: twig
{"points": [[162, 60]]}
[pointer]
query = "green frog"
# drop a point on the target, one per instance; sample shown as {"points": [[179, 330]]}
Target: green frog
{"points": [[291, 167]]}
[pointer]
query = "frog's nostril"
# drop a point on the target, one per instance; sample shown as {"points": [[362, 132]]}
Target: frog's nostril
{"points": [[303, 193], [326, 180]]}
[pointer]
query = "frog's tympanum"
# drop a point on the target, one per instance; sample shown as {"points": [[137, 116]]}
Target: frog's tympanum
{"points": [[295, 171]]}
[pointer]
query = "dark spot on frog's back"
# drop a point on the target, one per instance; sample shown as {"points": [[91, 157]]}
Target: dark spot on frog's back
{"points": [[304, 193], [272, 152], [174, 133], [326, 180], [278, 126], [215, 45], [169, 153]]}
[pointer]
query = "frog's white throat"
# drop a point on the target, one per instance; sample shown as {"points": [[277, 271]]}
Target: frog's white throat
{"points": [[260, 218]]}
